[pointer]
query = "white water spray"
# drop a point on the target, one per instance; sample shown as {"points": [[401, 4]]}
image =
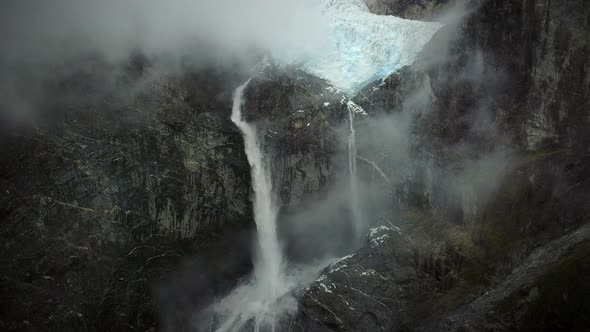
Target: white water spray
{"points": [[256, 304]]}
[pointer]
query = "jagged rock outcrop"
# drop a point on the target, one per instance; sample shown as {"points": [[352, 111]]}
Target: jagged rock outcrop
{"points": [[382, 287], [366, 291], [378, 288]]}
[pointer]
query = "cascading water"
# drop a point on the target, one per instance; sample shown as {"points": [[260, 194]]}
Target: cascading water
{"points": [[351, 144], [268, 263], [361, 48], [259, 301]]}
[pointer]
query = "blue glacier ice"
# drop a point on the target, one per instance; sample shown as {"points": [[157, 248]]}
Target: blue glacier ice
{"points": [[363, 47]]}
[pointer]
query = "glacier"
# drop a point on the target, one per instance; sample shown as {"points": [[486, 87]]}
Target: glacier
{"points": [[362, 47]]}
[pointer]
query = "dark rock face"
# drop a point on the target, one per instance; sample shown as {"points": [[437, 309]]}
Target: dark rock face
{"points": [[391, 94], [491, 86], [424, 10], [505, 70], [380, 287], [129, 208], [506, 306], [302, 121], [297, 115], [103, 202], [496, 264]]}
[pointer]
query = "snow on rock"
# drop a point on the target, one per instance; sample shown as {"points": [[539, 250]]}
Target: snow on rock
{"points": [[351, 105], [342, 259], [377, 279], [378, 235]]}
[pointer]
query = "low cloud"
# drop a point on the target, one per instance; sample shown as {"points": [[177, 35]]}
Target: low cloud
{"points": [[44, 41], [56, 30]]}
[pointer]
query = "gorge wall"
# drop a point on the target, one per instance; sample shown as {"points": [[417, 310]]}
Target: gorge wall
{"points": [[115, 189], [126, 206], [491, 89]]}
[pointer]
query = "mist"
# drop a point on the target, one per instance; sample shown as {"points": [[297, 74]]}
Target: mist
{"points": [[59, 30], [399, 167], [396, 172], [44, 42]]}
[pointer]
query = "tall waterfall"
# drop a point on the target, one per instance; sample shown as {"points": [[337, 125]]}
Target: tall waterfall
{"points": [[361, 48], [268, 263], [354, 196], [255, 304]]}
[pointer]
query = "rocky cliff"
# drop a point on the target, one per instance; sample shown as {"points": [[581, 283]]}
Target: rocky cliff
{"points": [[127, 207], [498, 80], [122, 184]]}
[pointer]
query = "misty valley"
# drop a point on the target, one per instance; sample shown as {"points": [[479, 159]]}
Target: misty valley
{"points": [[295, 165]]}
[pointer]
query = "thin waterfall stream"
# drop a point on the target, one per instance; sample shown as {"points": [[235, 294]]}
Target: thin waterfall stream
{"points": [[354, 197]]}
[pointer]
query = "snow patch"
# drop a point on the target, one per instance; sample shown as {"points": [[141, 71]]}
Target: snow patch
{"points": [[369, 273], [343, 259], [333, 90], [325, 288], [376, 230], [378, 235], [352, 106], [338, 268]]}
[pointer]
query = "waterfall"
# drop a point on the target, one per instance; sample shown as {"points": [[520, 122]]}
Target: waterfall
{"points": [[260, 301], [268, 262], [354, 197], [351, 146]]}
